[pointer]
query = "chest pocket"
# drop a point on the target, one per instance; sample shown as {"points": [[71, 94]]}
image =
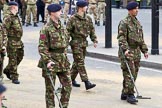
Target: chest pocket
{"points": [[57, 39], [82, 28], [16, 28], [134, 37]]}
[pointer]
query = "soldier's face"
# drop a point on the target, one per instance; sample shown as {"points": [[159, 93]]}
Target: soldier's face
{"points": [[16, 9], [57, 14], [134, 12], [84, 8]]}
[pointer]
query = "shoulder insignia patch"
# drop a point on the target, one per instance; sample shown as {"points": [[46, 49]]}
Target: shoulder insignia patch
{"points": [[42, 36]]}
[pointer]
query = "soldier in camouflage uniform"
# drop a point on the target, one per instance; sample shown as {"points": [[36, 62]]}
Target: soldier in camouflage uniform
{"points": [[23, 14], [66, 10], [93, 9], [15, 47], [80, 26], [101, 9], [31, 8], [130, 38], [53, 44], [48, 2], [3, 44]]}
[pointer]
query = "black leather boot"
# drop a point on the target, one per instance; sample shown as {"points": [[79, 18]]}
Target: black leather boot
{"points": [[15, 81], [35, 25], [95, 21], [98, 23], [104, 22], [89, 85], [75, 84], [124, 96], [6, 71], [131, 99]]}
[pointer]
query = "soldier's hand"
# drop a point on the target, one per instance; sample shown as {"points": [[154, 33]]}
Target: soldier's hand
{"points": [[4, 49], [50, 64], [95, 45], [146, 55], [127, 53]]}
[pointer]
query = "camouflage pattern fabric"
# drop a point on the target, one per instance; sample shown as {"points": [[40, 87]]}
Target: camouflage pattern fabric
{"points": [[13, 28], [130, 36], [3, 43], [66, 9], [79, 29], [53, 43], [101, 9], [55, 1], [24, 8], [92, 8], [31, 8]]}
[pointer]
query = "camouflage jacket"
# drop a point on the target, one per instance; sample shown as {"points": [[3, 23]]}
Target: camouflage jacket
{"points": [[79, 28], [31, 2], [13, 28], [3, 37], [100, 0], [51, 1], [53, 43], [92, 1], [130, 36]]}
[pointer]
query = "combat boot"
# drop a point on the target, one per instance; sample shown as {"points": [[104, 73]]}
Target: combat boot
{"points": [[23, 23], [6, 71], [104, 22], [27, 24], [89, 85], [124, 96], [131, 99], [95, 21], [35, 25], [75, 84], [15, 81], [98, 23], [64, 22]]}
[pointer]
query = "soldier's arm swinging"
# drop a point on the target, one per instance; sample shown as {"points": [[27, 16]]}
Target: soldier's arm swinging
{"points": [[122, 36], [43, 46]]}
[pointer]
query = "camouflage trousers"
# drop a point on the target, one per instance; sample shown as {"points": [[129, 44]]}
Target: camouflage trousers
{"points": [[66, 11], [78, 63], [93, 10], [65, 80], [23, 14], [31, 9], [128, 86], [101, 10], [15, 56]]}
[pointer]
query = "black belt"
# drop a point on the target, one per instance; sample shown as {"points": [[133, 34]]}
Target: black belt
{"points": [[57, 50], [134, 47], [101, 1], [14, 38]]}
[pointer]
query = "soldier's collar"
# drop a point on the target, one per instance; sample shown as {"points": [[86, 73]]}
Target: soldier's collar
{"points": [[57, 25], [80, 17]]}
